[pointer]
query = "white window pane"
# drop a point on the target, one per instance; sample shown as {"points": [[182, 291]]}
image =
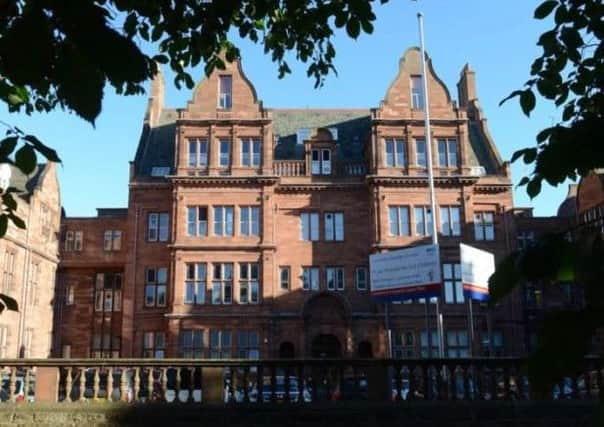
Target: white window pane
{"points": [[459, 292], [304, 226], [448, 292], [329, 222], [389, 152], [339, 217], [393, 218], [314, 226]]}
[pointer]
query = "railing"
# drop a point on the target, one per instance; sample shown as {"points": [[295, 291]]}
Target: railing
{"points": [[292, 381], [297, 168], [289, 168]]}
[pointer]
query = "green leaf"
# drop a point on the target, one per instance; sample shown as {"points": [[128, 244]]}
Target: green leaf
{"points": [[9, 202], [544, 134], [8, 303], [545, 9], [18, 221], [25, 159], [533, 188], [523, 153], [510, 96], [523, 181], [7, 146], [353, 27], [527, 101], [43, 149]]}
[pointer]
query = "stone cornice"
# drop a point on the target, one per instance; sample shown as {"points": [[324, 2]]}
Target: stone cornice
{"points": [[327, 186], [409, 181], [492, 188], [224, 180], [223, 121], [415, 121], [239, 246]]}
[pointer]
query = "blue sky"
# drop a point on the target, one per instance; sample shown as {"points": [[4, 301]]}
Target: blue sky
{"points": [[497, 38]]}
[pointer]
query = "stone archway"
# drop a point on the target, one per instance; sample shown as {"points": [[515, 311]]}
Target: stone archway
{"points": [[326, 326]]}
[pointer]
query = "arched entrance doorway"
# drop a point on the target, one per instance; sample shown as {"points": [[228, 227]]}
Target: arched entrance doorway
{"points": [[326, 326], [326, 346]]}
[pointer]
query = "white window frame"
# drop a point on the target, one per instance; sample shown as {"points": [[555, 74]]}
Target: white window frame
{"points": [[195, 283], [158, 227], [416, 89], [284, 269], [222, 283], [224, 158], [321, 165], [427, 216], [449, 158], [221, 344], [251, 152], [397, 157], [112, 240], [425, 346], [196, 226], [334, 278], [400, 213], [225, 92], [361, 274], [249, 283], [224, 222], [449, 227], [484, 229], [334, 226], [403, 344], [191, 348], [249, 221], [424, 153], [525, 239], [156, 280], [309, 226], [108, 298], [310, 278], [452, 284], [198, 153], [456, 348], [154, 344]]}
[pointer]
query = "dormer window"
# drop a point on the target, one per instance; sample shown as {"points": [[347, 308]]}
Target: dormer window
{"points": [[417, 93], [320, 161], [225, 96]]}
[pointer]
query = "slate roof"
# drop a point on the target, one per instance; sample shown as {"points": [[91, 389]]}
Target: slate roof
{"points": [[156, 147]]}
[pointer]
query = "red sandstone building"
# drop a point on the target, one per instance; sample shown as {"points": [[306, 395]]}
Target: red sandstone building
{"points": [[248, 230]]}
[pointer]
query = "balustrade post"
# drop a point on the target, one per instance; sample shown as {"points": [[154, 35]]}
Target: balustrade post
{"points": [[68, 384], [137, 384], [124, 385], [110, 384], [82, 383], [96, 386]]}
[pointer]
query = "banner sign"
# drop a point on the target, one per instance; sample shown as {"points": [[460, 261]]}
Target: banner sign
{"points": [[477, 266], [405, 273]]}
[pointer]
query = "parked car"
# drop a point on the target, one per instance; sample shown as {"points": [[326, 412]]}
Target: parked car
{"points": [[348, 390], [403, 390], [20, 392], [280, 389]]}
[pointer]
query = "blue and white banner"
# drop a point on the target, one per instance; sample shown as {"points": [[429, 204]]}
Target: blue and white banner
{"points": [[405, 273], [477, 266]]}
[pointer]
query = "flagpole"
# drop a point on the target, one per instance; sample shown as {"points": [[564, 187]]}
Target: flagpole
{"points": [[428, 141]]}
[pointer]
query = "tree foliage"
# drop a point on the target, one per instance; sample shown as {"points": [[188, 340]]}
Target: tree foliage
{"points": [[569, 73]]}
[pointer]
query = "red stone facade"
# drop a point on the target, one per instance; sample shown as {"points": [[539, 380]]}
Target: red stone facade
{"points": [[248, 230]]}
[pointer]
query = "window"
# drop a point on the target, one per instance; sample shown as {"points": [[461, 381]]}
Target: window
{"points": [[225, 152], [484, 228], [222, 285], [69, 295], [34, 280], [247, 346], [112, 240], [3, 341], [320, 161], [73, 241], [248, 283], [497, 347], [447, 153], [157, 229], [191, 343], [310, 278], [223, 220], [197, 221], [399, 220], [453, 284], [361, 278], [417, 92], [431, 349], [457, 343], [421, 157], [334, 226], [334, 276], [423, 221], [533, 295], [108, 292], [309, 226], [284, 274], [104, 346], [249, 220], [155, 287], [8, 281], [250, 152], [198, 152], [225, 95], [403, 345], [220, 344], [154, 345], [395, 152], [525, 239], [195, 283], [450, 220]]}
